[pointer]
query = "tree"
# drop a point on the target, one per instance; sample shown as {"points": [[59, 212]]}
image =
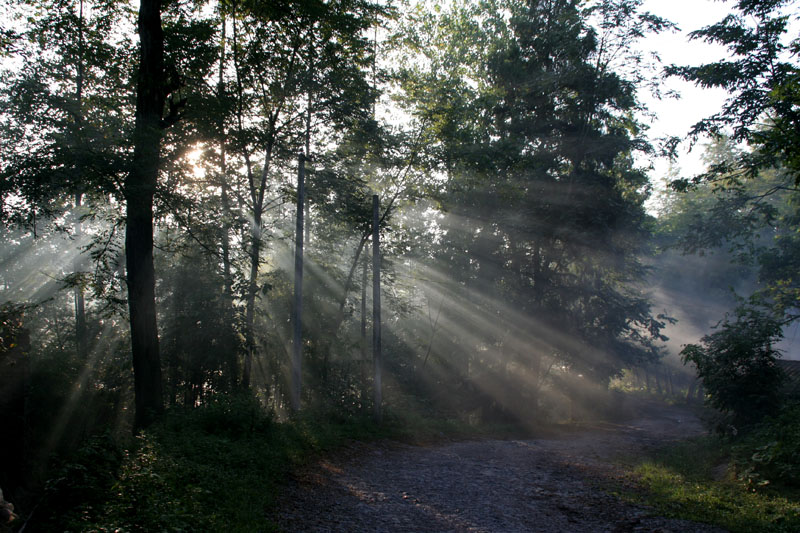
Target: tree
{"points": [[755, 210], [738, 369], [299, 79], [140, 186], [528, 119], [762, 76], [65, 104]]}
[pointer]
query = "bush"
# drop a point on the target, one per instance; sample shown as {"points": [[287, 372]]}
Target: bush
{"points": [[770, 453], [232, 415], [738, 369], [79, 485]]}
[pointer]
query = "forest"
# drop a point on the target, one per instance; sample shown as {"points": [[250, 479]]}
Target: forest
{"points": [[238, 233]]}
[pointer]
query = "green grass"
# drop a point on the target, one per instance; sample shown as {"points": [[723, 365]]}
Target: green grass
{"points": [[216, 468], [184, 476], [679, 482]]}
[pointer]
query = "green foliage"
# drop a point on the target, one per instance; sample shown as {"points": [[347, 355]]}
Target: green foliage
{"points": [[761, 75], [770, 453], [79, 485], [745, 233], [753, 210], [199, 342], [233, 414], [683, 481], [209, 469], [738, 369], [67, 115], [542, 225], [11, 320]]}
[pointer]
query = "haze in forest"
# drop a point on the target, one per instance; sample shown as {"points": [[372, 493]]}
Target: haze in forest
{"points": [[372, 210]]}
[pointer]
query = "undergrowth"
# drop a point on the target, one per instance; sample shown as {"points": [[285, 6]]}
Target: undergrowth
{"points": [[215, 468], [693, 480]]}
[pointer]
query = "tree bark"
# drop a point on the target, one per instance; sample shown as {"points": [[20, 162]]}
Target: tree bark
{"points": [[80, 301], [252, 288], [140, 186], [363, 340], [376, 309], [297, 315], [233, 356]]}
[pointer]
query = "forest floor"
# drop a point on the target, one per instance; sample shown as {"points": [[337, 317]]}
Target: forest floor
{"points": [[568, 481]]}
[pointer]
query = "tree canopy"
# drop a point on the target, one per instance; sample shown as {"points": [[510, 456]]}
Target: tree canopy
{"points": [[148, 194]]}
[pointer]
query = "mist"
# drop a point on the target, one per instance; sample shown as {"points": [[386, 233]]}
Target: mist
{"points": [[157, 277]]}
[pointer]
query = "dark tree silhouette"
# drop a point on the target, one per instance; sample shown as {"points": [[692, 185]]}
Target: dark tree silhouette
{"points": [[140, 186]]}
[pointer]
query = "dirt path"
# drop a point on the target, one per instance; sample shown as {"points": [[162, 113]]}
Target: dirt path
{"points": [[539, 485]]}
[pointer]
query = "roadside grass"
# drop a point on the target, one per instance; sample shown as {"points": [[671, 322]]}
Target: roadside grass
{"points": [[689, 480], [219, 467]]}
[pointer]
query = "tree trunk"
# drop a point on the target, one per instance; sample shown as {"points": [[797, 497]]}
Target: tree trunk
{"points": [[376, 308], [309, 108], [536, 374], [363, 343], [227, 301], [252, 288], [668, 377], [140, 186], [297, 315], [80, 302]]}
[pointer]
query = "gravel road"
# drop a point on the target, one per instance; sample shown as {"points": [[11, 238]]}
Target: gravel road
{"points": [[537, 485]]}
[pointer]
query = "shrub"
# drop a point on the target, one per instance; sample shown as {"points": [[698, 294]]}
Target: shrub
{"points": [[738, 369], [233, 415], [770, 453], [230, 415]]}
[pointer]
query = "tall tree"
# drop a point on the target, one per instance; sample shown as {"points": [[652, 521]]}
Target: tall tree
{"points": [[533, 127], [140, 186], [757, 186], [283, 57]]}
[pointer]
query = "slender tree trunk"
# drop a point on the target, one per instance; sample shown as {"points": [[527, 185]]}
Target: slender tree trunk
{"points": [[257, 194], [297, 318], [223, 170], [536, 374], [140, 186], [80, 302], [252, 288], [337, 322], [538, 297], [363, 343], [173, 379], [227, 292], [376, 309], [306, 204]]}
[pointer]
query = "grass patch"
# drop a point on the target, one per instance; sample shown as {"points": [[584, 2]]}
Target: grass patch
{"points": [[679, 482], [219, 467]]}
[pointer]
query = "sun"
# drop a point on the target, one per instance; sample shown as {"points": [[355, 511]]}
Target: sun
{"points": [[194, 158]]}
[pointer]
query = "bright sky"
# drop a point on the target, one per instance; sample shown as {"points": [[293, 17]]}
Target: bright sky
{"points": [[676, 117]]}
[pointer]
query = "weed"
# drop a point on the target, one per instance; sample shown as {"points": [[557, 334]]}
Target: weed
{"points": [[684, 481]]}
